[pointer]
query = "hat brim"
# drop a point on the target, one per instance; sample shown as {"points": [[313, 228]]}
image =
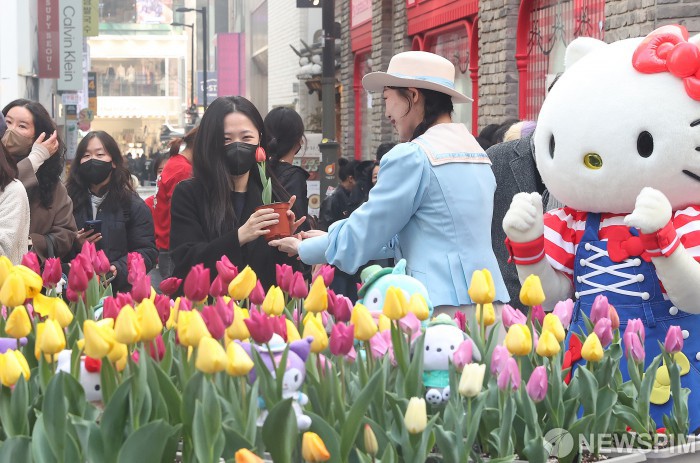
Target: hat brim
{"points": [[376, 81], [374, 277]]}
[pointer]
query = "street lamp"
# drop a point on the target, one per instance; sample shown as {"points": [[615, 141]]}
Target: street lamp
{"points": [[194, 84], [203, 12]]}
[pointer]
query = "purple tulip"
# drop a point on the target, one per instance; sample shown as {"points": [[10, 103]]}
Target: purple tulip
{"points": [[564, 310], [463, 355], [226, 270], [342, 338], [633, 346], [674, 340], [538, 313], [537, 385], [197, 283], [213, 321], [603, 328], [298, 288], [509, 377], [512, 316], [600, 309], [498, 359], [31, 261]]}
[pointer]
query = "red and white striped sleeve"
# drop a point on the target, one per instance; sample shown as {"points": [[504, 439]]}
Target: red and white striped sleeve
{"points": [[687, 224], [560, 240]]}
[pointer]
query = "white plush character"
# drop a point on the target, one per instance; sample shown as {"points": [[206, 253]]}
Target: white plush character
{"points": [[89, 374], [442, 338], [618, 142]]}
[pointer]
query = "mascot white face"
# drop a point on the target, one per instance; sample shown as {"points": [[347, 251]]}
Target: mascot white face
{"points": [[441, 342], [606, 131]]}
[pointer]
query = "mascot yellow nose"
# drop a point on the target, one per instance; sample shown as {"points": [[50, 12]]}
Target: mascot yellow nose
{"points": [[593, 161]]}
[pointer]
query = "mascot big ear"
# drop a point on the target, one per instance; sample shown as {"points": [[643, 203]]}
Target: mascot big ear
{"points": [[580, 47], [302, 347]]}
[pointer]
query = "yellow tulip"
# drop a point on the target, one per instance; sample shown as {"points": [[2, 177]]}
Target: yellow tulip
{"points": [[118, 352], [384, 323], [13, 292], [472, 379], [416, 418], [313, 449], [317, 300], [18, 323], [22, 363], [191, 328], [241, 286], [531, 292], [238, 329], [239, 362], [149, 321], [5, 268], [485, 314], [365, 327], [61, 312], [211, 357], [314, 328], [553, 324], [172, 319], [395, 304], [519, 340], [592, 350], [419, 307], [126, 327], [246, 456], [32, 281], [292, 332], [273, 304], [548, 345], [10, 369], [52, 340], [99, 340], [481, 289]]}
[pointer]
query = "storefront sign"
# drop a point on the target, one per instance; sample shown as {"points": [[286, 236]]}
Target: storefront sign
{"points": [[92, 91], [360, 12], [230, 52], [71, 40], [48, 39], [212, 86], [91, 18]]}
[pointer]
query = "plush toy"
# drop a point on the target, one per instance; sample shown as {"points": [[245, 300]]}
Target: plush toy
{"points": [[617, 141], [10, 343], [294, 374], [376, 281], [442, 338], [89, 374]]}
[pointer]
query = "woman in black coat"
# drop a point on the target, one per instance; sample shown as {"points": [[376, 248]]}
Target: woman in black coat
{"points": [[213, 213], [101, 189]]}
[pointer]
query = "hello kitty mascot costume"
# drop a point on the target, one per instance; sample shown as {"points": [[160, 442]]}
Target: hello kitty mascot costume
{"points": [[618, 142]]}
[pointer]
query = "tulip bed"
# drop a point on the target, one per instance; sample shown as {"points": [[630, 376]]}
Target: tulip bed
{"points": [[175, 374]]}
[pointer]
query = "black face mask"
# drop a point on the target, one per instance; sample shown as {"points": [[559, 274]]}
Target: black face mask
{"points": [[240, 157], [95, 171]]}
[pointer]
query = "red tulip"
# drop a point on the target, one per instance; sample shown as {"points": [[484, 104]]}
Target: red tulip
{"points": [[260, 326], [162, 303], [279, 326], [87, 265], [461, 320], [31, 261], [218, 287], [197, 283], [77, 277], [213, 321], [226, 270], [284, 276], [169, 286], [185, 305], [136, 267], [225, 310], [342, 338], [110, 308], [124, 299], [257, 295], [674, 340], [141, 289], [52, 272], [260, 155], [342, 311], [100, 263], [298, 288], [72, 296], [327, 272], [88, 250]]}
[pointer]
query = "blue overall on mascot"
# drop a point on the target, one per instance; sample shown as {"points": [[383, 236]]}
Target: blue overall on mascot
{"points": [[618, 142]]}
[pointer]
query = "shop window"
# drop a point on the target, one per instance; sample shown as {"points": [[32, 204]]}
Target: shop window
{"points": [[137, 77]]}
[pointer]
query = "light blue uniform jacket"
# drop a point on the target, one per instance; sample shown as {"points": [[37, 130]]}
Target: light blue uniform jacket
{"points": [[432, 206]]}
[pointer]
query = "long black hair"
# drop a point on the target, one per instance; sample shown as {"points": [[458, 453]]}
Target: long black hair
{"points": [[119, 189], [209, 166], [49, 174], [435, 105], [285, 129]]}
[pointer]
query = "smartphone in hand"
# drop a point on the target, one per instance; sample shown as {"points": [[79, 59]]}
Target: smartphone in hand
{"points": [[94, 225]]}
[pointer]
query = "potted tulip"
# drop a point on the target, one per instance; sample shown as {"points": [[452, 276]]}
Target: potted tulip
{"points": [[281, 228]]}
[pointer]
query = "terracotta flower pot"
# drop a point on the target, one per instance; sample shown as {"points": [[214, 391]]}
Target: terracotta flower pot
{"points": [[281, 228]]}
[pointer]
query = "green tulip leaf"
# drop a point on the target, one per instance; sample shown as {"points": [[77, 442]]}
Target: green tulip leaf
{"points": [[208, 440], [353, 420], [151, 442], [171, 395], [112, 426], [16, 449], [280, 432], [41, 447]]}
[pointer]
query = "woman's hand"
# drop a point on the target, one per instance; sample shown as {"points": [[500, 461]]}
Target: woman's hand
{"points": [[294, 224], [312, 234], [87, 235], [289, 245], [51, 143], [257, 225]]}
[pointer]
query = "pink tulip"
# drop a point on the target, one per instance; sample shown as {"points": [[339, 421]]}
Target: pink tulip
{"points": [[225, 310], [159, 352], [226, 270], [136, 267], [342, 310], [185, 305], [512, 316], [637, 326], [633, 346], [379, 344], [213, 321], [461, 320], [89, 250], [100, 263], [331, 301], [410, 324], [674, 340], [279, 326], [498, 359], [77, 277], [110, 308], [31, 261], [538, 313], [141, 289], [509, 377], [600, 309], [284, 276], [327, 272], [197, 283], [341, 339], [260, 326], [564, 310], [463, 355], [169, 286], [257, 295], [537, 385], [298, 288], [162, 303], [603, 328], [218, 287], [52, 272], [352, 355], [124, 299]]}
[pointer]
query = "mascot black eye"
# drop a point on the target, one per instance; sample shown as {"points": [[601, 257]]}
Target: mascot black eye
{"points": [[645, 144], [551, 146], [97, 387], [427, 347]]}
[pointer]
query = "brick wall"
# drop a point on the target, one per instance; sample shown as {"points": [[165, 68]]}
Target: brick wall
{"points": [[382, 51], [347, 99], [636, 18]]}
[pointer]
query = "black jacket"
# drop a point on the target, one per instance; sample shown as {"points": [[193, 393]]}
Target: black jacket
{"points": [[293, 180], [192, 243], [339, 206], [124, 230]]}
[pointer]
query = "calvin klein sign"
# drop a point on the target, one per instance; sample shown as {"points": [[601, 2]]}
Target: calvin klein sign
{"points": [[70, 19]]}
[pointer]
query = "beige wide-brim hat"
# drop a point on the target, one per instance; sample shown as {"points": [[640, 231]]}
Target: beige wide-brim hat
{"points": [[419, 69]]}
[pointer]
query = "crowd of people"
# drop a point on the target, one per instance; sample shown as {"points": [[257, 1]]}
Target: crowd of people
{"points": [[428, 199]]}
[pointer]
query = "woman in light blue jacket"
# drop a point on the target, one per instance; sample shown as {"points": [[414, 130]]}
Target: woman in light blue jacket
{"points": [[433, 201]]}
